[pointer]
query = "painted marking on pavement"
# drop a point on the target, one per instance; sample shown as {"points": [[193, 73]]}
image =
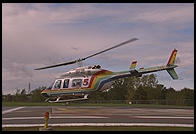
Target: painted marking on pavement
{"points": [[53, 117], [101, 124], [11, 110], [164, 117]]}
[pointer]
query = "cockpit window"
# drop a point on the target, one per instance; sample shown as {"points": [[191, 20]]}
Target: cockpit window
{"points": [[76, 83], [66, 83], [57, 84], [50, 87]]}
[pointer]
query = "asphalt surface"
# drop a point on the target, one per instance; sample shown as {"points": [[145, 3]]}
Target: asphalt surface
{"points": [[32, 115]]}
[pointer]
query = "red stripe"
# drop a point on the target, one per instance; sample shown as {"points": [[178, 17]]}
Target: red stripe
{"points": [[171, 56], [92, 78]]}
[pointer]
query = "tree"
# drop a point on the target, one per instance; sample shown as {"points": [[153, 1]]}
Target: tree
{"points": [[36, 95], [123, 89], [152, 81], [171, 96], [118, 90], [8, 97], [140, 94], [23, 95], [17, 96], [126, 88], [188, 96]]}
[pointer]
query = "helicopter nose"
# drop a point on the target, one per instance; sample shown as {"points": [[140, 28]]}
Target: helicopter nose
{"points": [[45, 94]]}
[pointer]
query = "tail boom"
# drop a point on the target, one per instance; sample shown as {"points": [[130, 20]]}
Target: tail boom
{"points": [[169, 67]]}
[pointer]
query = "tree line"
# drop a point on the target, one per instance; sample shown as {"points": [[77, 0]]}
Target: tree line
{"points": [[146, 90], [23, 96], [137, 90]]}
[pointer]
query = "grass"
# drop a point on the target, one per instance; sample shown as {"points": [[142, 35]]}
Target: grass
{"points": [[91, 128], [93, 104]]}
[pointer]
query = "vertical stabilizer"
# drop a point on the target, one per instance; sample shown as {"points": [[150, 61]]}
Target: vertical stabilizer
{"points": [[133, 65], [170, 63], [172, 58]]}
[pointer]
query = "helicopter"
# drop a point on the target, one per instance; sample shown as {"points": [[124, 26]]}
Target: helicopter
{"points": [[79, 82]]}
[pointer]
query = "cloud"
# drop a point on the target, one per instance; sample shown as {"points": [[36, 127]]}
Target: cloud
{"points": [[167, 15], [36, 35]]}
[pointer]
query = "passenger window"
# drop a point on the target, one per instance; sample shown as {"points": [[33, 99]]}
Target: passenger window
{"points": [[76, 83], [57, 84], [66, 83]]}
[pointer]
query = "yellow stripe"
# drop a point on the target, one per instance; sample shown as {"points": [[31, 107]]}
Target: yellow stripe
{"points": [[98, 77], [173, 58], [133, 65]]}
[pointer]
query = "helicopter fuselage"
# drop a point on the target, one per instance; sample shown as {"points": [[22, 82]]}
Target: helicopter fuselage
{"points": [[82, 81]]}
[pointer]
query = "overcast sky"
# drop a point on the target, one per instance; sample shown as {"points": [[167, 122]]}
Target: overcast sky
{"points": [[36, 35]]}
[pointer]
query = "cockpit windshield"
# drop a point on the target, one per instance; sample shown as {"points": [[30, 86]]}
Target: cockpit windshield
{"points": [[50, 87]]}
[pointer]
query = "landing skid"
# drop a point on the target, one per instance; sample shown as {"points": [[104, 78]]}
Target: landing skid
{"points": [[58, 99]]}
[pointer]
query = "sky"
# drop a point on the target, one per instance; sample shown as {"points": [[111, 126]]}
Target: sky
{"points": [[37, 35]]}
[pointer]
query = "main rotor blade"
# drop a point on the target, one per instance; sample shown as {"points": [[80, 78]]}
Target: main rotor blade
{"points": [[78, 60], [121, 44], [61, 64]]}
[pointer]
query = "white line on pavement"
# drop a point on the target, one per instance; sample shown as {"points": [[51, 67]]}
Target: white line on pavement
{"points": [[53, 117], [164, 117], [93, 117], [11, 110], [101, 124]]}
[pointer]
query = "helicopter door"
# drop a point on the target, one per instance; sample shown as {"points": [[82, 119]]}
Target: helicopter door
{"points": [[66, 83]]}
